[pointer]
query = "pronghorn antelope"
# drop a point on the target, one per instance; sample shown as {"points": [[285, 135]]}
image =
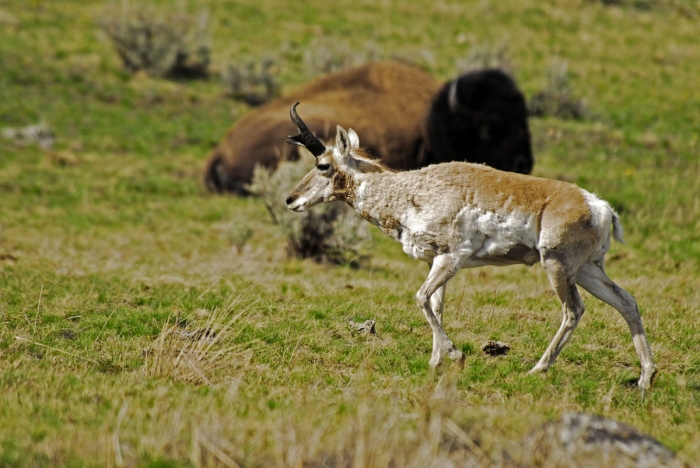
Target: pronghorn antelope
{"points": [[461, 215]]}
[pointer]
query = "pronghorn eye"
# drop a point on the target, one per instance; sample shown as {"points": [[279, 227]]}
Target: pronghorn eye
{"points": [[323, 167]]}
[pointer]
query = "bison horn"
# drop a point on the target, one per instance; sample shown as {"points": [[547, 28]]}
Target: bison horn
{"points": [[305, 138], [452, 98]]}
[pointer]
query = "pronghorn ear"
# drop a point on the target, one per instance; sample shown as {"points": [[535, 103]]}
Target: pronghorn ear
{"points": [[342, 141], [354, 139]]}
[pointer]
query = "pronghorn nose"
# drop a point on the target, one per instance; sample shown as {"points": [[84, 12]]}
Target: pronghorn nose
{"points": [[289, 200]]}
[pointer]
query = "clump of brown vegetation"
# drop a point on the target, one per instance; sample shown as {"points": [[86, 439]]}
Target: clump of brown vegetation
{"points": [[253, 82], [638, 4], [557, 99], [157, 41], [330, 232]]}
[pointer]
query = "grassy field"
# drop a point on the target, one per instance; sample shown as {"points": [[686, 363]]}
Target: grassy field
{"points": [[111, 251]]}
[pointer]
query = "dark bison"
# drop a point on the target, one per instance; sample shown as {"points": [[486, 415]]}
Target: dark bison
{"points": [[406, 118], [480, 117]]}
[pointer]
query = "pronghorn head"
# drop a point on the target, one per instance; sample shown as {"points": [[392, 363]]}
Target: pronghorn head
{"points": [[330, 179]]}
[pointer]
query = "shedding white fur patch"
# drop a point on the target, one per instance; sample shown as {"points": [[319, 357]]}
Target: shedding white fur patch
{"points": [[415, 235], [488, 234], [360, 197], [476, 234], [414, 221]]}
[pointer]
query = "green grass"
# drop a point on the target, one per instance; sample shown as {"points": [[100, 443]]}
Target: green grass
{"points": [[110, 236]]}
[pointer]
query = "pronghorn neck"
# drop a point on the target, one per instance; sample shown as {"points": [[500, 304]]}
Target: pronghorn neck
{"points": [[347, 178], [371, 199]]}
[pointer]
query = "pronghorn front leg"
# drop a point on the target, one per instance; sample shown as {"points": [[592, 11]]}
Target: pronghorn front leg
{"points": [[437, 302], [441, 270]]}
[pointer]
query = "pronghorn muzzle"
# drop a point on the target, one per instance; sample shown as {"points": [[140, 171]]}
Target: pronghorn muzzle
{"points": [[305, 138]]}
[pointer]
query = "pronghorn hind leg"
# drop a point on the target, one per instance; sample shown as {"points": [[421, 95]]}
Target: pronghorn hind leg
{"points": [[564, 285], [431, 294], [593, 279], [437, 305]]}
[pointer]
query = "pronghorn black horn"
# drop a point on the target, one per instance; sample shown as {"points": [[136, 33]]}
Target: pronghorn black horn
{"points": [[305, 138]]}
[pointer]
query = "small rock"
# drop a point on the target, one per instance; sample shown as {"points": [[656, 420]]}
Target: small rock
{"points": [[365, 327], [587, 440], [39, 134], [495, 348], [68, 334]]}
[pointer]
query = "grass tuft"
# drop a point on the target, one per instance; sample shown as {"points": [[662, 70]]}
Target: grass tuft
{"points": [[205, 355]]}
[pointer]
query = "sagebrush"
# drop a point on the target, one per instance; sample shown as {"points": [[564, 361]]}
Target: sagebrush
{"points": [[557, 99], [254, 82], [486, 55], [158, 41], [325, 55]]}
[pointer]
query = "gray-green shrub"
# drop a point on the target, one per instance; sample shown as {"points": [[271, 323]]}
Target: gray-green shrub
{"points": [[159, 42], [557, 99], [253, 82], [486, 55]]}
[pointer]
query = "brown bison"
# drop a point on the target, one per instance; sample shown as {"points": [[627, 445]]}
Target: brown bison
{"points": [[406, 118]]}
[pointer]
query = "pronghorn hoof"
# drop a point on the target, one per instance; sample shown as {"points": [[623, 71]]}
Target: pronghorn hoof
{"points": [[457, 358], [539, 368], [645, 380]]}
